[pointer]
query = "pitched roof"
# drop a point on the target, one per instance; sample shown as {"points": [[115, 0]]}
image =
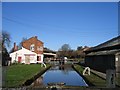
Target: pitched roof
{"points": [[108, 45], [111, 42], [31, 38], [26, 51]]}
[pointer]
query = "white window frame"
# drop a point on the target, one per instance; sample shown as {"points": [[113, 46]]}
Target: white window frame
{"points": [[32, 47], [40, 48]]}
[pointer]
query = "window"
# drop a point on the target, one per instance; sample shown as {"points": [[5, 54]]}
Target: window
{"points": [[40, 48], [32, 47]]}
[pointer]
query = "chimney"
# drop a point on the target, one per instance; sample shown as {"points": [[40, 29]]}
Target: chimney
{"points": [[36, 37], [15, 48]]}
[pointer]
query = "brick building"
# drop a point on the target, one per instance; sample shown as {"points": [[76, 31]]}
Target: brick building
{"points": [[34, 45]]}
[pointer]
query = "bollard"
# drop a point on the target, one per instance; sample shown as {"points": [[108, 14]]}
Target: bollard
{"points": [[110, 78], [87, 69]]}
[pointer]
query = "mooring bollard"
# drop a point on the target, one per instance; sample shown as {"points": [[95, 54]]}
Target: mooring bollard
{"points": [[87, 69], [43, 64]]}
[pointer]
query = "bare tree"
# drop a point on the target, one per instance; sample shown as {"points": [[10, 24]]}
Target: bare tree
{"points": [[65, 47], [20, 44], [6, 39], [64, 51], [79, 47]]}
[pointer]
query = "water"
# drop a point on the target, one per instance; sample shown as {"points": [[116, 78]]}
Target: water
{"points": [[58, 74]]}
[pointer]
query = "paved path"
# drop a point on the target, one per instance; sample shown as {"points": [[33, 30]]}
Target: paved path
{"points": [[100, 74]]}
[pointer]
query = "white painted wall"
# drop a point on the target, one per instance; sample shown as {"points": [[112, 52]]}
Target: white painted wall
{"points": [[21, 53]]}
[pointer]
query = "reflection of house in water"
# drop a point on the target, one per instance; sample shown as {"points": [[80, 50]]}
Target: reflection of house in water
{"points": [[105, 56], [62, 62], [61, 67], [38, 82]]}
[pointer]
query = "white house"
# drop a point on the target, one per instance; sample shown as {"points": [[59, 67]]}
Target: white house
{"points": [[24, 56]]}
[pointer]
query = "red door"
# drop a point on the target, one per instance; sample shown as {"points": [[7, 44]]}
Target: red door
{"points": [[39, 58], [19, 59]]}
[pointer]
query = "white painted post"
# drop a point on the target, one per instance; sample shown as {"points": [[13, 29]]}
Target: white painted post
{"points": [[110, 78], [87, 69], [43, 64]]}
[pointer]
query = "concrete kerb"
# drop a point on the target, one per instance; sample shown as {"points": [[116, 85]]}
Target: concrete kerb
{"points": [[29, 81]]}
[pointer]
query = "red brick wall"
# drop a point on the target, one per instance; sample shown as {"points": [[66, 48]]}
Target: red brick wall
{"points": [[33, 40]]}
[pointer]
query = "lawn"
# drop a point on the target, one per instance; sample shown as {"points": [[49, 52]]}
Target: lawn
{"points": [[118, 81], [18, 74], [95, 80]]}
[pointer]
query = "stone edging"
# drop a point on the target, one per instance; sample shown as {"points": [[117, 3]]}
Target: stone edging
{"points": [[29, 81]]}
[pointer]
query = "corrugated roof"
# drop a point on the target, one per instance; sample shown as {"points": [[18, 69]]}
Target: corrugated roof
{"points": [[108, 52], [110, 44]]}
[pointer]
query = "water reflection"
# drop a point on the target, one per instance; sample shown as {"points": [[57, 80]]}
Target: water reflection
{"points": [[61, 67], [60, 74], [38, 82]]}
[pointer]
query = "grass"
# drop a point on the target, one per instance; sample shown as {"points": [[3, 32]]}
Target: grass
{"points": [[18, 74], [118, 80], [94, 79]]}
